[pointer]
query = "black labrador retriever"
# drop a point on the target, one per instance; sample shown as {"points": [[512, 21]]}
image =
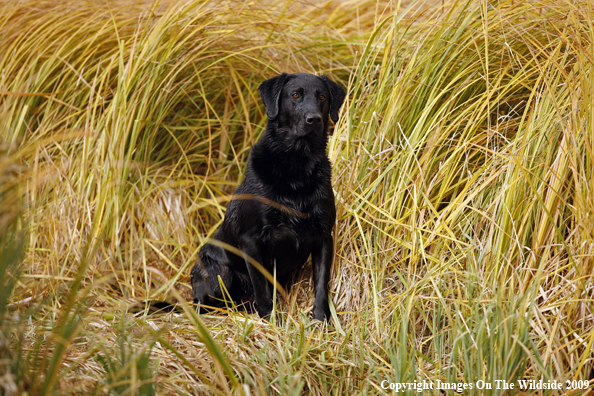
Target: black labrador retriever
{"points": [[283, 211]]}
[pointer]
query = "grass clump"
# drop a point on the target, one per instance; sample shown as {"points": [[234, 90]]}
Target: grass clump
{"points": [[462, 174]]}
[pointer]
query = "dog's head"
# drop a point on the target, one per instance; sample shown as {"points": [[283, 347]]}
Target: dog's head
{"points": [[301, 103]]}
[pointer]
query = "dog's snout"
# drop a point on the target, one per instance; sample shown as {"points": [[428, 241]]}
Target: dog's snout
{"points": [[313, 119]]}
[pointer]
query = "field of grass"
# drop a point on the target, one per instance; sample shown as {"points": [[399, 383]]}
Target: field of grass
{"points": [[463, 170]]}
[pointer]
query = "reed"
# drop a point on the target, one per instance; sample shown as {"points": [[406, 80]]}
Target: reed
{"points": [[462, 169]]}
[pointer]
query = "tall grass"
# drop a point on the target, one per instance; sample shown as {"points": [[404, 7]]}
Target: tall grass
{"points": [[463, 175]]}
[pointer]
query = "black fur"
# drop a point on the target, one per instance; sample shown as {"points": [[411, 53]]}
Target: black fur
{"points": [[291, 211]]}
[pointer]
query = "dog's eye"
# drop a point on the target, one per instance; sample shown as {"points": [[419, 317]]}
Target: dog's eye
{"points": [[322, 97], [296, 95]]}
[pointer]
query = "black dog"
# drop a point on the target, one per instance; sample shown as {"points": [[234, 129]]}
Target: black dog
{"points": [[283, 210]]}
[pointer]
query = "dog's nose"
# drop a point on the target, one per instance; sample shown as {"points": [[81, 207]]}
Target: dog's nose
{"points": [[313, 119]]}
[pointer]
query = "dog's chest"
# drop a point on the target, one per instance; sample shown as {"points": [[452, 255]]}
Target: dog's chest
{"points": [[290, 248], [290, 240], [294, 226]]}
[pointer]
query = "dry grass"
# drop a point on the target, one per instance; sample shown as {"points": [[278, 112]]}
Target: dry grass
{"points": [[463, 175]]}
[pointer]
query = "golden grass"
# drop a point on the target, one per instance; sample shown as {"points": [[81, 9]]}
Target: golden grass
{"points": [[463, 175]]}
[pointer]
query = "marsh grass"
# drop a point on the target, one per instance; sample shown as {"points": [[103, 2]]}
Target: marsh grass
{"points": [[463, 175]]}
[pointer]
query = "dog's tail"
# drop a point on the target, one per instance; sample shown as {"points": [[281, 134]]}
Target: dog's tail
{"points": [[155, 307]]}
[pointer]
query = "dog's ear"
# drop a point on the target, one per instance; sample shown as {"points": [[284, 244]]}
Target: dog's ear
{"points": [[270, 91], [337, 96]]}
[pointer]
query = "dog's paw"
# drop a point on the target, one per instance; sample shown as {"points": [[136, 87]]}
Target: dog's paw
{"points": [[322, 313], [266, 317], [264, 310], [200, 293], [200, 287], [265, 314]]}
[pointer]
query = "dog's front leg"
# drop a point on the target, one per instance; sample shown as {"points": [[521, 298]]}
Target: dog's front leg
{"points": [[321, 258], [260, 285]]}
